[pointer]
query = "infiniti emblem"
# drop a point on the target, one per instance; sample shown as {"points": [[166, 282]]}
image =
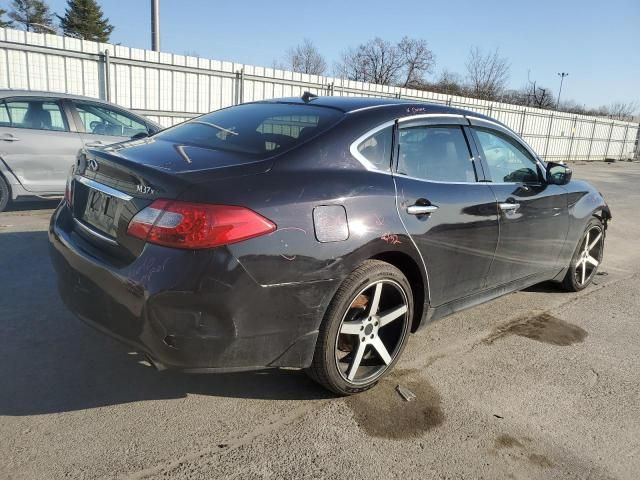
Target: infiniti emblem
{"points": [[93, 165]]}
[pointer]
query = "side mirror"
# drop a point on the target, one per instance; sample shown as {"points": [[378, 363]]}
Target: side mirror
{"points": [[558, 173]]}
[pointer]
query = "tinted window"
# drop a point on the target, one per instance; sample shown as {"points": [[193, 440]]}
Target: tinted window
{"points": [[435, 153], [102, 120], [259, 129], [377, 148], [36, 114], [5, 120], [508, 161]]}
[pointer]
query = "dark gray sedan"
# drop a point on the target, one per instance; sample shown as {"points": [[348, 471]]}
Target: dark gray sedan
{"points": [[42, 132]]}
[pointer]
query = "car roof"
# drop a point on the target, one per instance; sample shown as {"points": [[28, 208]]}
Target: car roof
{"points": [[9, 92], [392, 107], [395, 106]]}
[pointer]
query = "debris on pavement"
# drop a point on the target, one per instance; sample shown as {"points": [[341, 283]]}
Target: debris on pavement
{"points": [[405, 393]]}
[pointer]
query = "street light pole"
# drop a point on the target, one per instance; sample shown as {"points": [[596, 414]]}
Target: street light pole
{"points": [[561, 75], [155, 25]]}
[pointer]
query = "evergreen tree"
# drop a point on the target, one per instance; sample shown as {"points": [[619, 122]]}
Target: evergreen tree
{"points": [[4, 23], [84, 19], [34, 15]]}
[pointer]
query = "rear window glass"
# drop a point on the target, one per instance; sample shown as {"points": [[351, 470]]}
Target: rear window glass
{"points": [[258, 129]]}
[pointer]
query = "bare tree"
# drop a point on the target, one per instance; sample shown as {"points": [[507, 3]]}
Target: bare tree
{"points": [[377, 61], [487, 74], [306, 58], [382, 62], [537, 96], [449, 83], [418, 59], [621, 110]]}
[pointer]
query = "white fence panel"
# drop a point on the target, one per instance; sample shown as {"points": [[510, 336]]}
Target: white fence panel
{"points": [[171, 88]]}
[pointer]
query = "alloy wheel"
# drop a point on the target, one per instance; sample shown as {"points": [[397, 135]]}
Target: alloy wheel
{"points": [[589, 256], [371, 332]]}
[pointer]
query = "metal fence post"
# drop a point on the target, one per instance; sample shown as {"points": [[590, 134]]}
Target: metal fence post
{"points": [[546, 144], [239, 97], [606, 153], [573, 135], [524, 115], [107, 75], [624, 141], [593, 134]]}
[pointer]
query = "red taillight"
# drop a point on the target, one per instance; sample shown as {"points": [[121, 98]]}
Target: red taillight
{"points": [[197, 225]]}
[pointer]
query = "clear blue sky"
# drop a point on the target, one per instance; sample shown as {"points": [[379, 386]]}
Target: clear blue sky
{"points": [[596, 41]]}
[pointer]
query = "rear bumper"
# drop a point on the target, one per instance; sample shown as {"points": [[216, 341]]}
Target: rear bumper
{"points": [[195, 311]]}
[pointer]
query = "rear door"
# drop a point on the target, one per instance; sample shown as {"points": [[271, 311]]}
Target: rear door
{"points": [[447, 209], [37, 143], [533, 215], [102, 125]]}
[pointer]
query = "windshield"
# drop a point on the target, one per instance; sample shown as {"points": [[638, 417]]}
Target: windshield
{"points": [[257, 129]]}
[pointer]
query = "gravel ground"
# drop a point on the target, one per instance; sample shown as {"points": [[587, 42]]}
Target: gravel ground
{"points": [[537, 384]]}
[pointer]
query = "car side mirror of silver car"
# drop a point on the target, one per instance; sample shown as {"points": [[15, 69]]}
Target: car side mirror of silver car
{"points": [[558, 173]]}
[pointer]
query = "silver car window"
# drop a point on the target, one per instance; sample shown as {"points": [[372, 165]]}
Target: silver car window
{"points": [[35, 114]]}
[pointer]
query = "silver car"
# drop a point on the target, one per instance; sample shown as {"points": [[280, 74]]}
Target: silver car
{"points": [[41, 133]]}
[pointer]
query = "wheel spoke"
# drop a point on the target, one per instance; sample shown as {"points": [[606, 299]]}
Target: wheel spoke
{"points": [[390, 315], [351, 328], [592, 261], [375, 303], [382, 350], [584, 271], [353, 368], [586, 242], [595, 242]]}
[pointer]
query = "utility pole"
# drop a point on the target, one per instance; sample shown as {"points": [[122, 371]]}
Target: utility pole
{"points": [[561, 75], [155, 25]]}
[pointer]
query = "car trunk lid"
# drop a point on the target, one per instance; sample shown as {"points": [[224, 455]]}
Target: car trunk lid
{"points": [[111, 185]]}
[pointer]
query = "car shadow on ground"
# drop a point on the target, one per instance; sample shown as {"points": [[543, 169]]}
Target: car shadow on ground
{"points": [[545, 287], [32, 205], [51, 362]]}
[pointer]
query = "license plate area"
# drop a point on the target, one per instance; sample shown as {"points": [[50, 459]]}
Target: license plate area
{"points": [[101, 212]]}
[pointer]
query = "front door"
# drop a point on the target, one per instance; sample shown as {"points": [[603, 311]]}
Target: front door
{"points": [[37, 144], [533, 215], [448, 212]]}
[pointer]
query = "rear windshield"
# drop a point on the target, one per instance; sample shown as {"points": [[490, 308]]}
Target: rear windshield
{"points": [[257, 129]]}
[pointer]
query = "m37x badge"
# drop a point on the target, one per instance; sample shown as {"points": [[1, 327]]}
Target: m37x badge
{"points": [[145, 189]]}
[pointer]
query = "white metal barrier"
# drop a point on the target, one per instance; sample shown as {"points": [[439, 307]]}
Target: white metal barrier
{"points": [[170, 88]]}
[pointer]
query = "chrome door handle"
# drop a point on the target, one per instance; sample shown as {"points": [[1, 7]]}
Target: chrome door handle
{"points": [[421, 209], [509, 207], [8, 137]]}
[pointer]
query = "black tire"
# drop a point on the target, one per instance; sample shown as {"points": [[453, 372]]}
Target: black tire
{"points": [[348, 312], [574, 281], [5, 194]]}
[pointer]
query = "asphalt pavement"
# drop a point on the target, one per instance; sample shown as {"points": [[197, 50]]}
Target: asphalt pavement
{"points": [[537, 384]]}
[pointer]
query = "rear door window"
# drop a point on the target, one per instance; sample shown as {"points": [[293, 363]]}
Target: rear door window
{"points": [[256, 129], [35, 114], [375, 150]]}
